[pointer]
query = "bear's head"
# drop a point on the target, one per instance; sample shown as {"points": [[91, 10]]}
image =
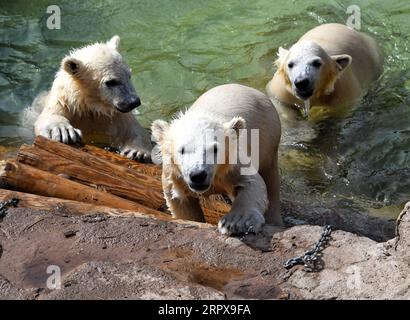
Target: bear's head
{"points": [[195, 149], [102, 76], [309, 71]]}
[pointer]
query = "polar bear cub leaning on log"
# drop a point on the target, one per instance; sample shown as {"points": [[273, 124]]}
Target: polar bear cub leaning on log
{"points": [[203, 152], [91, 99]]}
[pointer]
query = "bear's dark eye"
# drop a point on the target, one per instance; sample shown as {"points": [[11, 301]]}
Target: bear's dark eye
{"points": [[182, 151], [290, 65], [316, 63], [112, 83]]}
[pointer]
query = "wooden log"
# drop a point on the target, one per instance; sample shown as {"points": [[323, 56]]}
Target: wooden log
{"points": [[144, 168], [152, 189], [110, 182], [212, 211], [214, 208], [212, 216], [216, 202], [21, 177], [27, 200], [106, 163]]}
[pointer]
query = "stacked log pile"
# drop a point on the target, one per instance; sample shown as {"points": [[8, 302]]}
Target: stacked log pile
{"points": [[50, 175]]}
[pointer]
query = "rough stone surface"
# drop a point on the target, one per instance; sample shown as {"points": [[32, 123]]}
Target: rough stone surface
{"points": [[142, 258]]}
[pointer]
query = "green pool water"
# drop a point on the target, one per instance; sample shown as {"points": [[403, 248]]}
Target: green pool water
{"points": [[178, 49]]}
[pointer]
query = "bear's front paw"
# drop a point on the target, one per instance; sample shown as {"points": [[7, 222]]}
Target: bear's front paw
{"points": [[234, 223], [63, 133], [136, 154]]}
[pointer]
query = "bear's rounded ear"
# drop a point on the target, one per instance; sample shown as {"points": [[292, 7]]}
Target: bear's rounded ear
{"points": [[282, 53], [114, 43], [72, 65], [236, 124], [342, 61], [159, 129]]}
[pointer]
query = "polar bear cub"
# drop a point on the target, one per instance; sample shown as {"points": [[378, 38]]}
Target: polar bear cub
{"points": [[203, 153], [331, 65], [91, 99]]}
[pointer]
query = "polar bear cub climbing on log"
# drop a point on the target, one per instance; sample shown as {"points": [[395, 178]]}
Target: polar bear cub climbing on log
{"points": [[91, 99], [204, 151]]}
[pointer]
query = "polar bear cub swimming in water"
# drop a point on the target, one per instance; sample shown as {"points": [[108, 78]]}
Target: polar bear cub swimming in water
{"points": [[187, 173], [331, 65]]}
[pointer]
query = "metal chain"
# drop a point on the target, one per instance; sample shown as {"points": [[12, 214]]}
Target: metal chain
{"points": [[8, 203], [310, 258]]}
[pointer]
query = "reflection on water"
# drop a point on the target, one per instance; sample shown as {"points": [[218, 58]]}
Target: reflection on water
{"points": [[178, 49]]}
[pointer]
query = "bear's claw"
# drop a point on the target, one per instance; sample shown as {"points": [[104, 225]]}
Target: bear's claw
{"points": [[135, 154], [234, 223], [65, 134]]}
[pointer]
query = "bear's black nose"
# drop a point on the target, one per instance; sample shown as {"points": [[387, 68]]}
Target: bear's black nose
{"points": [[135, 103], [198, 176], [302, 83]]}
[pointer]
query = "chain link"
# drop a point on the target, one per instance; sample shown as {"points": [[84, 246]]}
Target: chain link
{"points": [[310, 258], [8, 203]]}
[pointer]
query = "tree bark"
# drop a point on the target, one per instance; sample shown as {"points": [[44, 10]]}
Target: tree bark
{"points": [[143, 168], [24, 178], [151, 189], [97, 174], [147, 194], [27, 200]]}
